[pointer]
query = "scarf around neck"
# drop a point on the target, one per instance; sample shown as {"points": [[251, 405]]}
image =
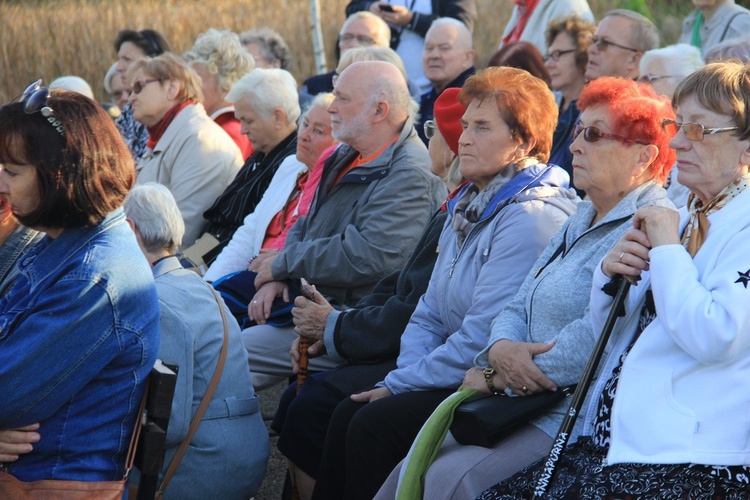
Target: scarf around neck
{"points": [[697, 227], [156, 131]]}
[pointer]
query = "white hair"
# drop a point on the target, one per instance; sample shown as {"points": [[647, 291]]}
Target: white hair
{"points": [[154, 212], [112, 71], [678, 60], [269, 89], [464, 33], [382, 32], [74, 84]]}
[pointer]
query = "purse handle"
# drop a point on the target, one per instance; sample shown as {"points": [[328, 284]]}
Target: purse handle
{"points": [[207, 397]]}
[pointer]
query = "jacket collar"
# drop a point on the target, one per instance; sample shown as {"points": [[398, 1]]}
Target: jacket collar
{"points": [[642, 195], [166, 265], [534, 176], [51, 253], [174, 128]]}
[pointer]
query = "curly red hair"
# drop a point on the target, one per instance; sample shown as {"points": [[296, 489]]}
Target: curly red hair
{"points": [[637, 112]]}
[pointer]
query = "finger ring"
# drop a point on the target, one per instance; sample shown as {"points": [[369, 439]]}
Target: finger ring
{"points": [[524, 389], [255, 302], [508, 392], [619, 259]]}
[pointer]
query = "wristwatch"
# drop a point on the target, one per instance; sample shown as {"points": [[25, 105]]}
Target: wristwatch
{"points": [[488, 373]]}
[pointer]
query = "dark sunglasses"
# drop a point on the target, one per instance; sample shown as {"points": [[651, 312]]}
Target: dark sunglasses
{"points": [[34, 100], [429, 129], [138, 85], [693, 131], [593, 134]]}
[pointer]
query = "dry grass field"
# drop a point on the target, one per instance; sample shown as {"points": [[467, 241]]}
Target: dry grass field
{"points": [[50, 38]]}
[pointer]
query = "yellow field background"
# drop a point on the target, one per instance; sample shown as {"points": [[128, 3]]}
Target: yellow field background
{"points": [[47, 39]]}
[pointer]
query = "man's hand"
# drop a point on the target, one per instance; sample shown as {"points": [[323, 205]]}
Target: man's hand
{"points": [[310, 316], [262, 264], [315, 350]]}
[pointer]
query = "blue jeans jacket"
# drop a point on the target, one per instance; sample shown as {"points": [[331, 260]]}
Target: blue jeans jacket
{"points": [[78, 336]]}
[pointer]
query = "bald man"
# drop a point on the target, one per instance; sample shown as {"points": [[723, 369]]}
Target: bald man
{"points": [[374, 199], [448, 60]]}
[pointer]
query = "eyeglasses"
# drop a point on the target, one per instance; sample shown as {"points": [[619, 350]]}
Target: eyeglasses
{"points": [[594, 134], [35, 101], [361, 39], [652, 78], [429, 128], [555, 55], [603, 44], [693, 131], [139, 84]]}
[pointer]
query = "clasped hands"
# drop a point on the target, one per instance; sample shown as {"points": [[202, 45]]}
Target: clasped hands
{"points": [[515, 369]]}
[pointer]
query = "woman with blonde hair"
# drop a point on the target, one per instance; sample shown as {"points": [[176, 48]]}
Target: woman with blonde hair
{"points": [[187, 151], [220, 61]]}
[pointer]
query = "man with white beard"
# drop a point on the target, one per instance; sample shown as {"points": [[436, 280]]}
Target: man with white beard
{"points": [[374, 199]]}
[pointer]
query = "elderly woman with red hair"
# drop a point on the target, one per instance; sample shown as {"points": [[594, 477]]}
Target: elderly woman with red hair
{"points": [[684, 335], [496, 227], [543, 337]]}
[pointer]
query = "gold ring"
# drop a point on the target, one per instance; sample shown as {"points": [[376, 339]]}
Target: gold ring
{"points": [[524, 389]]}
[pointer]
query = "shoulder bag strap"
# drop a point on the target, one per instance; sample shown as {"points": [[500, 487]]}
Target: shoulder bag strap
{"points": [[207, 397], [130, 458]]}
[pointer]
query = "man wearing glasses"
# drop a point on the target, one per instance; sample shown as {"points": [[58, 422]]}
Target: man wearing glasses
{"points": [[618, 44]]}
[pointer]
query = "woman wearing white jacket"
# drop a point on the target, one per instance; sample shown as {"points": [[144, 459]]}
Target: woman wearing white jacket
{"points": [[672, 417], [314, 137]]}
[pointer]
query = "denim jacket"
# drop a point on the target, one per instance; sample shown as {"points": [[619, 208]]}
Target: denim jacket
{"points": [[19, 242], [78, 336]]}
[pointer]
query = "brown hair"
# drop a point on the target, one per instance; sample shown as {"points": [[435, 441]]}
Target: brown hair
{"points": [[579, 29], [722, 87], [522, 55], [637, 112], [83, 174], [524, 102], [169, 67]]}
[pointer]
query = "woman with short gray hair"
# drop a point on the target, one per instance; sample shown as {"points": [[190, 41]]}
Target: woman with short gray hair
{"points": [[229, 451], [220, 61], [268, 48]]}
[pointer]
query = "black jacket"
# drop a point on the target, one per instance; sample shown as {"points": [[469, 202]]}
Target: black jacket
{"points": [[463, 10]]}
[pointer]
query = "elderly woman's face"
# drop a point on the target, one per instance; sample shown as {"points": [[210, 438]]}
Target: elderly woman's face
{"points": [[706, 167], [563, 72], [486, 146], [314, 135], [605, 169], [152, 102], [19, 185]]}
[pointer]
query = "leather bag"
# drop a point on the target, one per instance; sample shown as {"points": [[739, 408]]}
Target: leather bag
{"points": [[486, 419]]}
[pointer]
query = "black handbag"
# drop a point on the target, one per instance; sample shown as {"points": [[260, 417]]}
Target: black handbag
{"points": [[485, 419]]}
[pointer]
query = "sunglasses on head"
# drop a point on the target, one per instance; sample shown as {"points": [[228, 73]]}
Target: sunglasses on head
{"points": [[594, 134], [138, 85], [692, 131], [429, 129], [34, 100]]}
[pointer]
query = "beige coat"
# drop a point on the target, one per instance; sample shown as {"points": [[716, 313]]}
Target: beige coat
{"points": [[196, 160]]}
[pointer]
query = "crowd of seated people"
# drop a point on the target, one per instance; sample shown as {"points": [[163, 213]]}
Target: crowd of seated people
{"points": [[462, 228]]}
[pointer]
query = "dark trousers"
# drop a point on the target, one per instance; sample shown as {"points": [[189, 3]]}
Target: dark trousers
{"points": [[366, 441]]}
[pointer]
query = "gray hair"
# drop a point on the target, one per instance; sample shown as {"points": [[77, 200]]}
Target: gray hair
{"points": [[383, 32], [269, 89], [680, 59], [734, 48], [154, 212], [464, 33], [271, 44], [112, 71], [223, 55], [645, 35]]}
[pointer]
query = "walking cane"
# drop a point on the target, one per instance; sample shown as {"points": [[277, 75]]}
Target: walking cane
{"points": [[558, 445], [304, 342]]}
